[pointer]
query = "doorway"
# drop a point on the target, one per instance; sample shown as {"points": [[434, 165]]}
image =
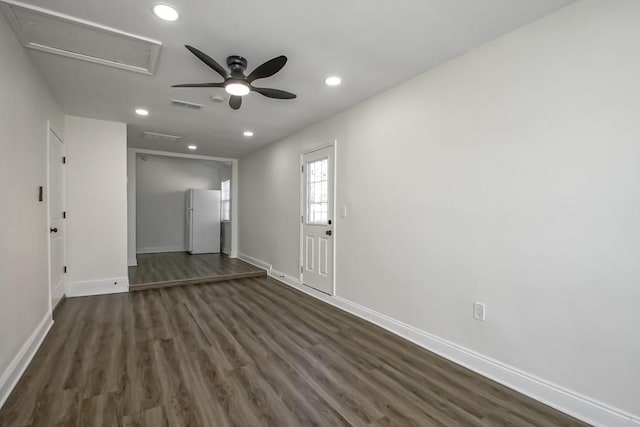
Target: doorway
{"points": [[317, 230], [172, 236], [178, 233], [55, 204]]}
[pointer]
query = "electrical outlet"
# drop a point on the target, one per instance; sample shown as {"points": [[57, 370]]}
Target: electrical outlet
{"points": [[478, 311]]}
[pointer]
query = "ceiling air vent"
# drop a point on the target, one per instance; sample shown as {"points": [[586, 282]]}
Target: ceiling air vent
{"points": [[185, 104], [65, 35], [161, 137]]}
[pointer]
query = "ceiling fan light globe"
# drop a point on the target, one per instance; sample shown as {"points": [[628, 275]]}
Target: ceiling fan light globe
{"points": [[237, 89]]}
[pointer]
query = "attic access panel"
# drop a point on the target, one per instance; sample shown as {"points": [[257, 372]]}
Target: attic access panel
{"points": [[65, 35]]}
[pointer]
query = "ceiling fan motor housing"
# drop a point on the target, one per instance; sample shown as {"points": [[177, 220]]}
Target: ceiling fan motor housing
{"points": [[237, 65]]}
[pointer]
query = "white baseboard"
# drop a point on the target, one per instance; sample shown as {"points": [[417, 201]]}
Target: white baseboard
{"points": [[160, 249], [57, 293], [98, 287], [296, 283], [16, 368], [558, 397], [255, 261], [56, 303]]}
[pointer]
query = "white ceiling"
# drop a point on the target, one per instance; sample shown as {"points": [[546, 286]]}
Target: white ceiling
{"points": [[372, 44]]}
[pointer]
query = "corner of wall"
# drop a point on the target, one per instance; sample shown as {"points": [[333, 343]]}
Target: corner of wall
{"points": [[256, 262], [18, 365]]}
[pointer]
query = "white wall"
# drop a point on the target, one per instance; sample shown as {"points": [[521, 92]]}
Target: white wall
{"points": [[508, 176], [26, 106], [96, 204], [161, 185]]}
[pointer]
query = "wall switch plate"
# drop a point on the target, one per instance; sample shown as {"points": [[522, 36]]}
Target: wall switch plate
{"points": [[478, 311], [344, 212]]}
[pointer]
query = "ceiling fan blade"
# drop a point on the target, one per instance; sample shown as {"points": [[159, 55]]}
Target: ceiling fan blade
{"points": [[268, 69], [209, 61], [274, 93], [200, 85], [235, 102]]}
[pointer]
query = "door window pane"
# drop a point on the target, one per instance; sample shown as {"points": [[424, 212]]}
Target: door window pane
{"points": [[317, 191]]}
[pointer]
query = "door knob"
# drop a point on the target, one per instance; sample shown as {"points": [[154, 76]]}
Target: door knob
{"points": [[328, 232], [53, 230]]}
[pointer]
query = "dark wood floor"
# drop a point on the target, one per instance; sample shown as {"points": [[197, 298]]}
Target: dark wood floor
{"points": [[249, 352], [180, 268]]}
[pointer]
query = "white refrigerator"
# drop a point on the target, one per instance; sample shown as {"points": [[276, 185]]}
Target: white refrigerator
{"points": [[202, 232]]}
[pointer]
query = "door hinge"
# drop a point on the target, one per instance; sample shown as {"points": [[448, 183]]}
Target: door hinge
{"points": [[301, 270], [64, 215], [64, 269], [302, 219], [302, 170], [64, 160]]}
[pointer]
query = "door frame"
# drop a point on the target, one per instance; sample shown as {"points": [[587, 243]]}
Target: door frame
{"points": [[47, 196], [333, 145]]}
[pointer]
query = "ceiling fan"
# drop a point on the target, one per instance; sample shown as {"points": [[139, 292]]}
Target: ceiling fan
{"points": [[235, 82]]}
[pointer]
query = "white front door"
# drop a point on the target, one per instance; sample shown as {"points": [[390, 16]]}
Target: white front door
{"points": [[56, 218], [317, 219]]}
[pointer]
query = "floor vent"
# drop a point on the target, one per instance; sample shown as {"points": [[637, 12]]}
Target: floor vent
{"points": [[48, 31], [161, 137], [185, 104]]}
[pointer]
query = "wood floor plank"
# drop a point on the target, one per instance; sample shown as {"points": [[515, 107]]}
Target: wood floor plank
{"points": [[185, 328], [262, 399], [56, 409], [396, 410], [100, 411], [223, 388], [355, 408], [225, 343], [247, 352], [175, 391], [150, 418], [305, 404]]}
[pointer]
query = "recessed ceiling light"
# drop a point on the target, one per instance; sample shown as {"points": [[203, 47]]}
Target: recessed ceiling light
{"points": [[166, 12], [192, 147], [333, 81], [237, 89], [142, 112], [248, 133]]}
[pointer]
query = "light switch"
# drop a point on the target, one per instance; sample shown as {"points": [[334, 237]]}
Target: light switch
{"points": [[344, 212]]}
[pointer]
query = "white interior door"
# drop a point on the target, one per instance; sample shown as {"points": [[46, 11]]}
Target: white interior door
{"points": [[317, 219], [56, 218]]}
